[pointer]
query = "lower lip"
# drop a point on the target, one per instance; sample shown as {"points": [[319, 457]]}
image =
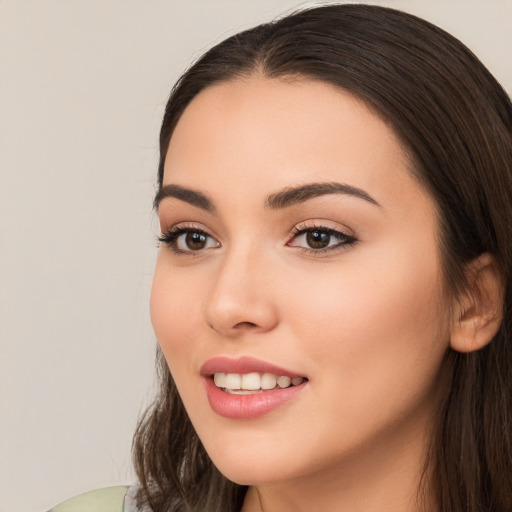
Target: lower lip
{"points": [[246, 407]]}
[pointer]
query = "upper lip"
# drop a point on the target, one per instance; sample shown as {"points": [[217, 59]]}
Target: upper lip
{"points": [[243, 365]]}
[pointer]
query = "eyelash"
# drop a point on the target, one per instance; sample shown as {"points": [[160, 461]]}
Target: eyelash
{"points": [[170, 238], [345, 240]]}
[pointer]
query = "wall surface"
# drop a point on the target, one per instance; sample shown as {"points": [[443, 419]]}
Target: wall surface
{"points": [[82, 89]]}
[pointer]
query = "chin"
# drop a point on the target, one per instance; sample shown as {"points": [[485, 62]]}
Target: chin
{"points": [[255, 462], [249, 474]]}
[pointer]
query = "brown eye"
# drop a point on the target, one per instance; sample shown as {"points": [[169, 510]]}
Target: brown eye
{"points": [[195, 241], [184, 240], [318, 239]]}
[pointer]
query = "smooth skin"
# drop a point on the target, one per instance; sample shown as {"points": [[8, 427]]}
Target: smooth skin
{"points": [[345, 289]]}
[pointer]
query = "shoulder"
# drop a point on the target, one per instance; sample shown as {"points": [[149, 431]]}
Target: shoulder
{"points": [[110, 499]]}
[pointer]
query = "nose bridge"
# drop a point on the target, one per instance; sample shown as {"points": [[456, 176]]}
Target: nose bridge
{"points": [[241, 296]]}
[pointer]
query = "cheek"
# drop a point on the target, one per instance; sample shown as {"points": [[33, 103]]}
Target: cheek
{"points": [[375, 328], [175, 309]]}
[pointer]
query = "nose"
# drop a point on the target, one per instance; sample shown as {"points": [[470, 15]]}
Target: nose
{"points": [[242, 298]]}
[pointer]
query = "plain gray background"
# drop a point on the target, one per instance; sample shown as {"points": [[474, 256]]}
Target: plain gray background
{"points": [[82, 90]]}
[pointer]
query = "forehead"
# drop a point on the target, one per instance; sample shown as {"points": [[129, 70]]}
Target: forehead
{"points": [[278, 132]]}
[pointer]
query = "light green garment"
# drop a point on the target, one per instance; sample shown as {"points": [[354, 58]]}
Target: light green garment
{"points": [[109, 499]]}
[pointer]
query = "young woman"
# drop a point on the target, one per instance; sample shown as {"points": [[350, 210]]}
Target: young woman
{"points": [[332, 292]]}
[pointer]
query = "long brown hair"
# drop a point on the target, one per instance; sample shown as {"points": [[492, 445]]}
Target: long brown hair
{"points": [[456, 122]]}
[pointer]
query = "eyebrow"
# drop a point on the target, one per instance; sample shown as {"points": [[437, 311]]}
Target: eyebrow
{"points": [[295, 195], [282, 199], [193, 197]]}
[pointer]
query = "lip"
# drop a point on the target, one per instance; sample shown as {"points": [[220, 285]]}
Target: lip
{"points": [[245, 407], [243, 364]]}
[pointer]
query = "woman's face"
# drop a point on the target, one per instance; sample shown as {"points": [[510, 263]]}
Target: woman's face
{"points": [[298, 245]]}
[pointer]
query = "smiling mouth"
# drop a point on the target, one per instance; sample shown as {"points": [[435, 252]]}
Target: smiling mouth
{"points": [[254, 382]]}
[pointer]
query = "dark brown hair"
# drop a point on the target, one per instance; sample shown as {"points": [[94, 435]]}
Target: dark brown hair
{"points": [[456, 122]]}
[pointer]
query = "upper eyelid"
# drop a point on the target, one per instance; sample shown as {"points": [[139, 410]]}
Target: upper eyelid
{"points": [[182, 227], [185, 225], [188, 226], [296, 230], [331, 231], [321, 224]]}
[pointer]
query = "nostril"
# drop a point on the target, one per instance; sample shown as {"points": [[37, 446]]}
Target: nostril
{"points": [[245, 325], [240, 326]]}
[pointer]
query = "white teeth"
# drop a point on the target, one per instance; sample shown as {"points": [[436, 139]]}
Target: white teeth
{"points": [[233, 381], [268, 381], [251, 382], [220, 380], [284, 381]]}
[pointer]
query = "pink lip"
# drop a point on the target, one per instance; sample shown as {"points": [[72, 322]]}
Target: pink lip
{"points": [[242, 365], [244, 407]]}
